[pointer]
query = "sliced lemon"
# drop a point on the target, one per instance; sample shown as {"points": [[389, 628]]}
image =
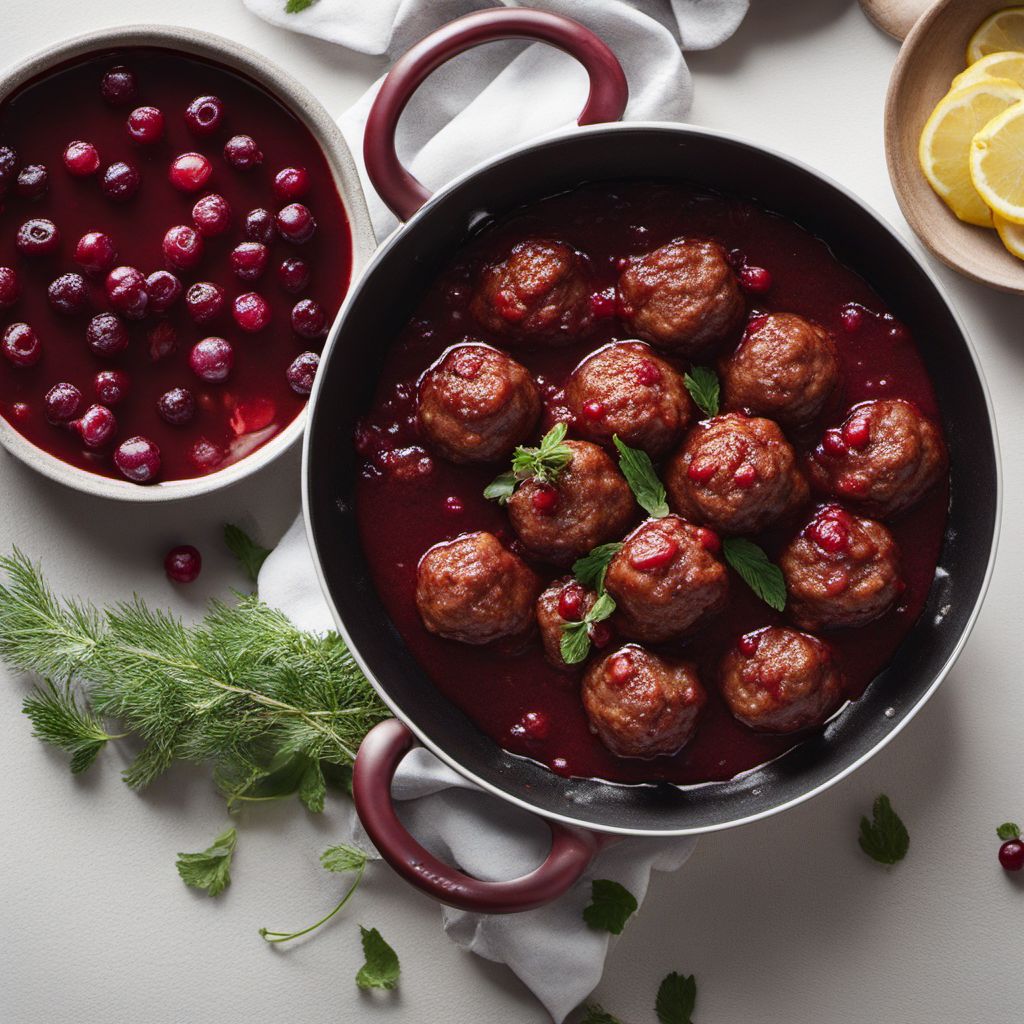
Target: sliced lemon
{"points": [[1004, 64], [1011, 235], [997, 169], [1001, 31], [945, 147]]}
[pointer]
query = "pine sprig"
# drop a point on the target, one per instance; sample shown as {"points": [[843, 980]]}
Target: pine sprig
{"points": [[57, 719]]}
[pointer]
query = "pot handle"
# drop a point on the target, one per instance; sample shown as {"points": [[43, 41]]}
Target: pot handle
{"points": [[606, 102], [380, 753]]}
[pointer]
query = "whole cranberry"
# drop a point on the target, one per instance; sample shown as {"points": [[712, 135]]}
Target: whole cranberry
{"points": [[183, 564], [205, 456], [290, 184], [204, 301], [120, 182], [21, 346], [95, 426], [126, 292], [61, 403], [8, 168], [95, 252], [118, 86], [37, 237], [68, 293], [249, 260], [183, 246], [204, 115], [259, 226], [145, 125], [164, 289], [211, 215], [308, 319], [295, 223], [211, 359], [10, 289], [19, 412], [81, 159], [176, 406], [1011, 855], [756, 280], [32, 181], [302, 373], [111, 386], [242, 152], [162, 339], [138, 459], [107, 334], [294, 275], [189, 172], [251, 312]]}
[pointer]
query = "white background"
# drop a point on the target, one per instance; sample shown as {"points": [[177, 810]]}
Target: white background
{"points": [[784, 921]]}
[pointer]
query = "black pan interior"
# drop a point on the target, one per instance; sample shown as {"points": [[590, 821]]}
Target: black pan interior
{"points": [[385, 299]]}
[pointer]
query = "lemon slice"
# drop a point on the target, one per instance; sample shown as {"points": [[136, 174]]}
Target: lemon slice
{"points": [[1011, 235], [1004, 64], [944, 150], [1003, 30], [997, 169]]}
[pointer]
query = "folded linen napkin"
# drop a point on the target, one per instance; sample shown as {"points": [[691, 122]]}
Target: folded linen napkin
{"points": [[468, 111]]}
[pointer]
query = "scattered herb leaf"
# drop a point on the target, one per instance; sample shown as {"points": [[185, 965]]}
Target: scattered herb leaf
{"points": [[594, 1013], [638, 470], [313, 787], [591, 568], [677, 996], [297, 6], [543, 464], [762, 576], [574, 645], [250, 555], [884, 839], [211, 869], [501, 488], [56, 718], [702, 383], [381, 969], [610, 907], [1008, 830]]}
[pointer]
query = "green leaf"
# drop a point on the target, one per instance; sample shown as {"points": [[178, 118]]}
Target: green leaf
{"points": [[211, 869], [56, 718], [611, 906], [574, 645], [884, 839], [547, 460], [1008, 830], [638, 470], [297, 6], [762, 576], [594, 1013], [250, 555], [342, 858], [501, 488], [381, 969], [677, 996], [591, 568], [702, 383], [313, 788]]}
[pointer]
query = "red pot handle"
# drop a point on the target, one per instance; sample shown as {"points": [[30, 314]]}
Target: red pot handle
{"points": [[606, 102], [380, 753]]}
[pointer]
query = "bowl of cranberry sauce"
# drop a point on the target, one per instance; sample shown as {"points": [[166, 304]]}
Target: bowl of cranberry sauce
{"points": [[179, 226]]}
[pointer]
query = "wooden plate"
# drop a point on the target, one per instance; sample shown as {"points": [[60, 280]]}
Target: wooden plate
{"points": [[933, 53]]}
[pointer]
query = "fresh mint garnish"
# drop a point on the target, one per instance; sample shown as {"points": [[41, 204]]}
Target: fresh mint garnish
{"points": [[381, 969], [543, 464], [211, 869], [638, 470], [1008, 830], [610, 907], [702, 383], [575, 643], [885, 838], [763, 576], [591, 568], [677, 996]]}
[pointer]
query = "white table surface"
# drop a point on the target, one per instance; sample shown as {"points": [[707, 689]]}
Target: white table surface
{"points": [[783, 921]]}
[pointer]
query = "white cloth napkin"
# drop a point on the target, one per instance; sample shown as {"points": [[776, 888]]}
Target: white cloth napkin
{"points": [[494, 98]]}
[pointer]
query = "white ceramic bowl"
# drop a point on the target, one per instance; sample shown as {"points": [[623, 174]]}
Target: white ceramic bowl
{"points": [[308, 109]]}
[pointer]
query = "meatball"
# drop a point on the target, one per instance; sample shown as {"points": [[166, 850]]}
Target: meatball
{"points": [[883, 458], [665, 578], [625, 389], [565, 600], [683, 297], [476, 404], [588, 503], [473, 590], [539, 292], [840, 570], [737, 474], [779, 680], [640, 705], [785, 368]]}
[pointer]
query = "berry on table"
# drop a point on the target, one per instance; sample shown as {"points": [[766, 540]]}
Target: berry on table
{"points": [[1011, 853], [183, 564]]}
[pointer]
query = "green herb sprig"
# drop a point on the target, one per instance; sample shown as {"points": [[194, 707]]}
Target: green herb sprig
{"points": [[1008, 830], [576, 636], [885, 837], [211, 869], [702, 383], [759, 573], [611, 906], [250, 555], [643, 481], [677, 996], [543, 464], [591, 568], [381, 969]]}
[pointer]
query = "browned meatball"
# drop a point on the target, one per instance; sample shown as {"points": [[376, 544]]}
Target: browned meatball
{"points": [[840, 571], [683, 296], [476, 404], [474, 590], [625, 389], [778, 680], [883, 458], [737, 474], [785, 368], [564, 601], [665, 578], [640, 705], [539, 292], [589, 503]]}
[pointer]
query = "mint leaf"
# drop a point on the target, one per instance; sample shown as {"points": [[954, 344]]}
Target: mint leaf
{"points": [[574, 645], [381, 969], [501, 488], [638, 470], [884, 839], [313, 787], [249, 554], [342, 858], [211, 869], [543, 464], [297, 6], [611, 906], [1008, 830], [677, 996], [594, 1013], [702, 383], [590, 569], [762, 576]]}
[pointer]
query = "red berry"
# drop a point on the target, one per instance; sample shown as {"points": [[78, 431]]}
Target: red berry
{"points": [[302, 373], [126, 292], [21, 346], [570, 602], [755, 279], [205, 456], [204, 301], [251, 312], [145, 125], [832, 443], [95, 252], [290, 184], [294, 275], [544, 499], [81, 159], [68, 293], [138, 459], [204, 114], [536, 724], [176, 406], [111, 386], [296, 224], [592, 410], [183, 247], [242, 153], [709, 540], [118, 86], [211, 215], [249, 260], [603, 304], [647, 373], [1011, 855], [211, 359], [701, 472], [120, 182], [37, 237], [857, 432], [620, 668], [831, 530], [654, 551], [183, 564], [749, 643], [851, 317], [745, 476], [259, 226], [96, 426], [10, 288], [164, 290], [106, 335], [308, 319], [61, 403], [189, 172], [32, 181], [600, 634]]}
